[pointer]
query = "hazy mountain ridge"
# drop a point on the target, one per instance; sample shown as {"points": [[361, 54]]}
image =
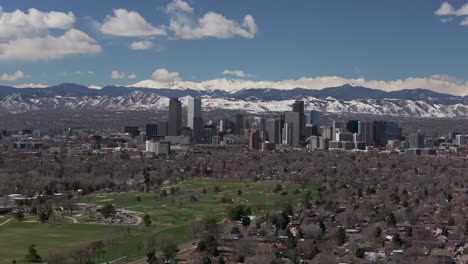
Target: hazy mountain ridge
{"points": [[343, 99]]}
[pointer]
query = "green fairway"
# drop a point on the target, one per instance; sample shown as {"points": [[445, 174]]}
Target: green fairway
{"points": [[171, 216]]}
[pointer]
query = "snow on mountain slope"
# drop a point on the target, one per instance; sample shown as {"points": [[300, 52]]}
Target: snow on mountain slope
{"points": [[139, 100]]}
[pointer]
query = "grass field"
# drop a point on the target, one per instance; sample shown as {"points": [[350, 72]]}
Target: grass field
{"points": [[170, 216]]}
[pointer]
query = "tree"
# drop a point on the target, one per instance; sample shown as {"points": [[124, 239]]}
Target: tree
{"points": [[138, 198], [205, 260], [170, 250], [322, 226], [43, 217], [378, 231], [391, 220], [151, 257], [32, 255], [245, 220], [19, 215], [108, 210], [397, 240], [147, 220], [341, 236]]}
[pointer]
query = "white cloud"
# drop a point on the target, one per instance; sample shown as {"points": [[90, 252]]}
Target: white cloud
{"points": [[12, 77], [464, 22], [446, 20], [79, 72], [446, 9], [49, 47], [118, 75], [164, 76], [26, 36], [437, 83], [141, 45], [186, 26], [31, 85], [236, 73], [179, 6], [129, 24], [122, 75], [19, 24], [93, 86]]}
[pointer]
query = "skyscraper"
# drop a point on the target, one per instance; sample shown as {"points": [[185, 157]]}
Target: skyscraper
{"points": [[352, 126], [366, 132], [273, 131], [293, 119], [194, 118], [151, 130], [416, 141], [240, 124], [337, 126], [315, 117], [384, 131], [298, 107], [175, 117]]}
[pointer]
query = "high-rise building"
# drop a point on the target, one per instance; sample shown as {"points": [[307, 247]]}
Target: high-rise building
{"points": [[240, 124], [326, 132], [352, 126], [209, 131], [287, 134], [175, 117], [151, 131], [298, 107], [315, 118], [366, 132], [194, 117], [294, 119], [337, 126], [273, 130], [460, 140], [416, 141], [254, 139], [385, 131], [162, 129]]}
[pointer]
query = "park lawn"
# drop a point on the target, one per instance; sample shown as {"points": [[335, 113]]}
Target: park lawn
{"points": [[170, 216], [15, 237]]}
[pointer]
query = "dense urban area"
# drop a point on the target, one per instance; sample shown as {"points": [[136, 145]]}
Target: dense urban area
{"points": [[233, 187]]}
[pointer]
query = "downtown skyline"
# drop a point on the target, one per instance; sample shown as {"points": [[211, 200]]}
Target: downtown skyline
{"points": [[388, 45]]}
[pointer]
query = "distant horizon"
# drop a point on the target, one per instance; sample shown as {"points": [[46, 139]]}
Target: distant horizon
{"points": [[310, 44]]}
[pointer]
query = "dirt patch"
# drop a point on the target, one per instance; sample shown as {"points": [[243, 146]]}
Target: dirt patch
{"points": [[105, 200], [30, 221]]}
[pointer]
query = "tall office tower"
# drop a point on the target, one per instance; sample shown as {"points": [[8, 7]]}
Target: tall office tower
{"points": [[298, 107], [460, 140], [326, 132], [294, 119], [273, 131], [287, 134], [337, 126], [416, 141], [315, 118], [175, 117], [366, 132], [384, 131], [151, 130], [240, 124], [352, 126], [254, 139], [162, 129], [193, 110], [209, 131]]}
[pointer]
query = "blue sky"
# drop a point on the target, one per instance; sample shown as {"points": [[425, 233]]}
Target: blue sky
{"points": [[281, 40]]}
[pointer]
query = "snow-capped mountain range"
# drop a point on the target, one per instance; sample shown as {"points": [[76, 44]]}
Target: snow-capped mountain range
{"points": [[139, 97]]}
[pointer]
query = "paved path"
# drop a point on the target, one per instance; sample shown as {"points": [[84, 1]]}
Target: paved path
{"points": [[7, 221], [75, 221]]}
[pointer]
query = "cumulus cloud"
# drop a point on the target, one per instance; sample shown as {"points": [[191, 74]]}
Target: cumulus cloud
{"points": [[141, 45], [19, 24], [31, 85], [237, 73], [165, 76], [26, 36], [129, 24], [122, 75], [49, 47], [446, 9], [185, 25], [12, 77], [437, 83]]}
